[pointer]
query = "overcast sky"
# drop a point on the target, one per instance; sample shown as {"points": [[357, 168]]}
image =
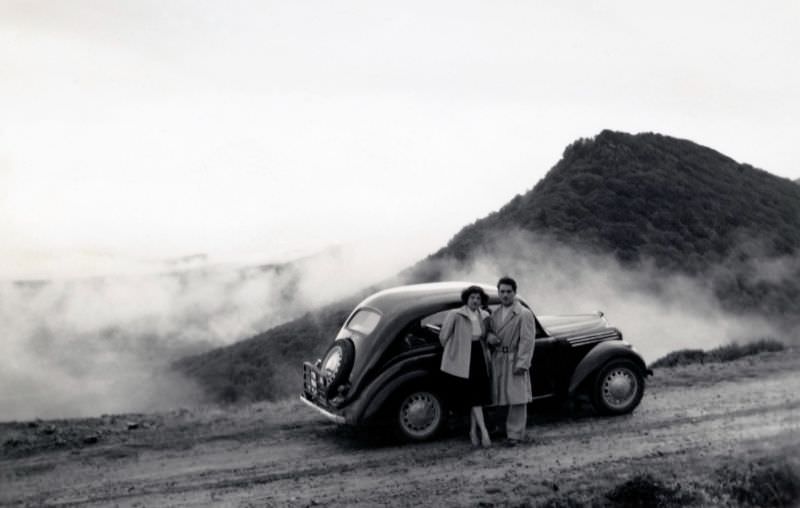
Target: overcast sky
{"points": [[251, 131]]}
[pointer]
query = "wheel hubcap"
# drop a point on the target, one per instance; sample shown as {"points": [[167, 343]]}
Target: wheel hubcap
{"points": [[419, 413], [619, 388]]}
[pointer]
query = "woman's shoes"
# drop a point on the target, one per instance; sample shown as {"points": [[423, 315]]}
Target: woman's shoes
{"points": [[482, 440], [473, 436]]}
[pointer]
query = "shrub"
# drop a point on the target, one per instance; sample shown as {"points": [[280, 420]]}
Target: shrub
{"points": [[726, 353], [645, 491]]}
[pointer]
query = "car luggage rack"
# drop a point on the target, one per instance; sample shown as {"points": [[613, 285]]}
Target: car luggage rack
{"points": [[315, 384]]}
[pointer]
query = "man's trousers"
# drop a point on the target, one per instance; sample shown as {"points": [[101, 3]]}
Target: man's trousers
{"points": [[516, 421]]}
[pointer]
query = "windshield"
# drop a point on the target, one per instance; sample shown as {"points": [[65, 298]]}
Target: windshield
{"points": [[364, 321]]}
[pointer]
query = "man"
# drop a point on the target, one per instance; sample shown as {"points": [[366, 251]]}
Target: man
{"points": [[513, 333]]}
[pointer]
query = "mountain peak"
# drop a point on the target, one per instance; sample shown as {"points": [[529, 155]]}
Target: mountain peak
{"points": [[639, 196]]}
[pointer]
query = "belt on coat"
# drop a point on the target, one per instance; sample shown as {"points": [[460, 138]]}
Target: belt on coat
{"points": [[505, 349]]}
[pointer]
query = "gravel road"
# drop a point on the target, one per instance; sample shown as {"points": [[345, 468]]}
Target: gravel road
{"points": [[692, 421]]}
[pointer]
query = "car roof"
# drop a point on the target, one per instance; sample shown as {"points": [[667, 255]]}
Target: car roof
{"points": [[421, 296]]}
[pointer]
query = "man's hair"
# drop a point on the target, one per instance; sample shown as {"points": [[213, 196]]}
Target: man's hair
{"points": [[474, 290], [507, 281]]}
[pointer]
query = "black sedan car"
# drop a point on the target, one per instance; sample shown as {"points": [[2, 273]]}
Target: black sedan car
{"points": [[384, 363]]}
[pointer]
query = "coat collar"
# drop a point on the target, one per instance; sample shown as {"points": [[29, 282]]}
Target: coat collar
{"points": [[515, 309], [464, 311]]}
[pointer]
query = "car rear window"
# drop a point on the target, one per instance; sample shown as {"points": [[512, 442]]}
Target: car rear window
{"points": [[364, 321]]}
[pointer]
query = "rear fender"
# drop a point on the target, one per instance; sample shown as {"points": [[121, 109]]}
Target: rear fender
{"points": [[391, 387], [598, 356]]}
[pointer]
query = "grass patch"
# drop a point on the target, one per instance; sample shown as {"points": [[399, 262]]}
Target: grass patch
{"points": [[727, 353], [771, 484]]}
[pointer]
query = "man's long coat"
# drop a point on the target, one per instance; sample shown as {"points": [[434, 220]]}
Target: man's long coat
{"points": [[517, 336]]}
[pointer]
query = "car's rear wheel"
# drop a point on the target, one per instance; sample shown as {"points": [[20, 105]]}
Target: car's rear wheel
{"points": [[419, 414], [617, 387]]}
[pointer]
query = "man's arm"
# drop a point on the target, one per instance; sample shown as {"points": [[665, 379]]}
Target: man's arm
{"points": [[491, 338], [527, 341]]}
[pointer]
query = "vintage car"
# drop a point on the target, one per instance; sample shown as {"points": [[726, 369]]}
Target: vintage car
{"points": [[383, 365]]}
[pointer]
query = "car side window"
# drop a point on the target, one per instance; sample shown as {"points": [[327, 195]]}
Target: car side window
{"points": [[434, 321], [425, 331]]}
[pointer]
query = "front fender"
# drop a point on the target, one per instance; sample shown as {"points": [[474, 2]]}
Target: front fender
{"points": [[598, 356]]}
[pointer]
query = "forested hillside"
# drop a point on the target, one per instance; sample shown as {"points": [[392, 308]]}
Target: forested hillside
{"points": [[653, 198], [645, 199], [679, 203]]}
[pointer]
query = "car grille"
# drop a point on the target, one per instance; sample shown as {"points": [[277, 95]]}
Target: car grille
{"points": [[581, 340]]}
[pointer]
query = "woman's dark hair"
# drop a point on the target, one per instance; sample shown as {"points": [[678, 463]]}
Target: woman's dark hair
{"points": [[508, 281], [474, 290]]}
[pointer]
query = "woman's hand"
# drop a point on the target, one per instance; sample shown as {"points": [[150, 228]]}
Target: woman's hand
{"points": [[492, 339]]}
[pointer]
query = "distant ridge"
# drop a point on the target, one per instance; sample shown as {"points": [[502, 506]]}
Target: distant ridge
{"points": [[642, 198]]}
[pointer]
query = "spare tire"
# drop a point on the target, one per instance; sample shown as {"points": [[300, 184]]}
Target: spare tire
{"points": [[336, 365]]}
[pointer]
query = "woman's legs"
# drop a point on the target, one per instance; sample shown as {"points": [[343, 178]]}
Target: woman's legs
{"points": [[476, 420], [473, 429]]}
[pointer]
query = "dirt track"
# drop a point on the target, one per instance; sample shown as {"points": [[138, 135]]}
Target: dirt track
{"points": [[692, 420]]}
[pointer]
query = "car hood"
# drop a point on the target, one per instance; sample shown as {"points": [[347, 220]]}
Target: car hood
{"points": [[573, 323]]}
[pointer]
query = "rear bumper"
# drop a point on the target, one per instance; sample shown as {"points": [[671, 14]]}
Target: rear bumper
{"points": [[327, 414]]}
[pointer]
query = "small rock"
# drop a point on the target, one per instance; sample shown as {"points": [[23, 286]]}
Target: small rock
{"points": [[133, 425], [91, 440], [555, 487], [50, 429]]}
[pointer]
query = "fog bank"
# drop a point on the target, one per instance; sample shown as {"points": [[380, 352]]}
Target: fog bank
{"points": [[657, 313], [101, 345]]}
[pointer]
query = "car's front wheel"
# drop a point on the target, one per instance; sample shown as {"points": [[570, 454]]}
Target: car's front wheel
{"points": [[617, 387], [419, 414]]}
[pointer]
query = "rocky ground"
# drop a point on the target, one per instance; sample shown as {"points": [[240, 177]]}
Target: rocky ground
{"points": [[704, 435]]}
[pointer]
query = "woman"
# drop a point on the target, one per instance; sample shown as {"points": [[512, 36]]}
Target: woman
{"points": [[465, 359]]}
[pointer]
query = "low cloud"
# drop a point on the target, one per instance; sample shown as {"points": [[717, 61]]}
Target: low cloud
{"points": [[101, 345], [658, 313]]}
